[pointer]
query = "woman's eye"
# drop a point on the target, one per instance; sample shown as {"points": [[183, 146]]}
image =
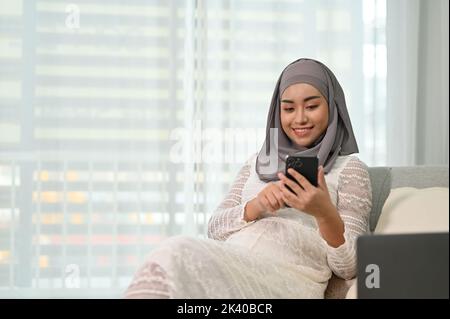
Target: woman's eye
{"points": [[289, 109], [311, 106]]}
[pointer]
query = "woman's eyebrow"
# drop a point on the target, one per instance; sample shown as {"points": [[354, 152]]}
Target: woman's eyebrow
{"points": [[311, 98], [304, 100]]}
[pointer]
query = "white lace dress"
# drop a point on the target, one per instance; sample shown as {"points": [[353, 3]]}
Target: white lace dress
{"points": [[277, 256]]}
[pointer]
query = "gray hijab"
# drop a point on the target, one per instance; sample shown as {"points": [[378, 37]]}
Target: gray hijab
{"points": [[337, 140]]}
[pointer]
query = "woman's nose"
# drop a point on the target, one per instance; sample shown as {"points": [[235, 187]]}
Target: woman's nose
{"points": [[301, 116]]}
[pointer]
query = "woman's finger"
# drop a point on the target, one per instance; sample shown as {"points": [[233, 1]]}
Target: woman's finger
{"points": [[279, 196], [297, 189], [273, 201], [265, 202], [321, 178], [303, 181], [290, 198]]}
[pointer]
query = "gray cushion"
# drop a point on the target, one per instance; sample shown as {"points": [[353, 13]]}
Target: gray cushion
{"points": [[380, 178], [383, 179]]}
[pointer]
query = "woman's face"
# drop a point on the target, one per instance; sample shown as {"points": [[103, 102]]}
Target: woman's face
{"points": [[303, 114]]}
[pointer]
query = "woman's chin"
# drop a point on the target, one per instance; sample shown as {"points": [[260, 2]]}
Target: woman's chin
{"points": [[302, 142]]}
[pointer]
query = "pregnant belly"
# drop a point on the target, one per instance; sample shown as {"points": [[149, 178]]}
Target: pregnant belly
{"points": [[283, 240]]}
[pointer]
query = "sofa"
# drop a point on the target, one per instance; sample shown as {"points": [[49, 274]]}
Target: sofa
{"points": [[383, 181]]}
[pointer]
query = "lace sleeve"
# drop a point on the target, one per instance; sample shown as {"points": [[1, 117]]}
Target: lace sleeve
{"points": [[228, 218], [354, 202]]}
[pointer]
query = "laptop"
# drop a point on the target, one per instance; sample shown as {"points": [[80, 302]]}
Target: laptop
{"points": [[403, 266]]}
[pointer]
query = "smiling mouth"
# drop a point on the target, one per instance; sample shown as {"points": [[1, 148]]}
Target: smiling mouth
{"points": [[302, 132]]}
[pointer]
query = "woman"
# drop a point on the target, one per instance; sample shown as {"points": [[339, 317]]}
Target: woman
{"points": [[258, 247]]}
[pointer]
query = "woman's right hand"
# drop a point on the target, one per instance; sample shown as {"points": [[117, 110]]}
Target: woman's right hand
{"points": [[269, 199]]}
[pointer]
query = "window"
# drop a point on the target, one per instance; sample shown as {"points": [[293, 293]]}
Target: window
{"points": [[123, 123]]}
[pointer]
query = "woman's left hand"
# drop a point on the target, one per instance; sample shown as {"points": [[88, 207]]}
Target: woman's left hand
{"points": [[313, 200]]}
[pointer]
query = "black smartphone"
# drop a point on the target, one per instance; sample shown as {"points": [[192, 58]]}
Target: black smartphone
{"points": [[308, 166]]}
